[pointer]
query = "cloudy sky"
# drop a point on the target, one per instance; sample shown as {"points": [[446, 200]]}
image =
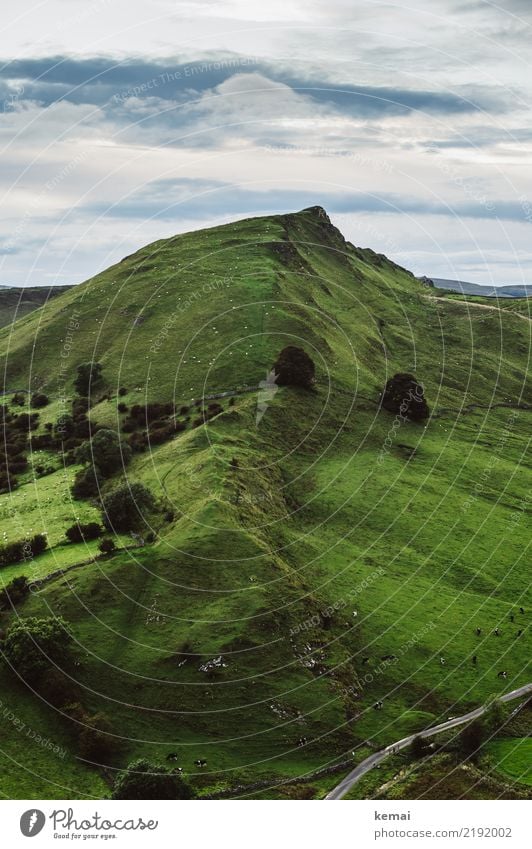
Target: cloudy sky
{"points": [[122, 122]]}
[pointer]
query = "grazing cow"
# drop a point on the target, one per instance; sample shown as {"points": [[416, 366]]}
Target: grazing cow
{"points": [[521, 610], [172, 756], [520, 632], [200, 762], [378, 705], [389, 657], [474, 660], [479, 632], [502, 675], [365, 660], [442, 661], [512, 617], [497, 632]]}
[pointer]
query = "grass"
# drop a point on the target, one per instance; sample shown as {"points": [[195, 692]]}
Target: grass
{"points": [[424, 541], [513, 758]]}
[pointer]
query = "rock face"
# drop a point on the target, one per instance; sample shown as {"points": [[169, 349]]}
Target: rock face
{"points": [[404, 394], [294, 367]]}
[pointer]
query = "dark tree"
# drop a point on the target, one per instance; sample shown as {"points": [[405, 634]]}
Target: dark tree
{"points": [[404, 394], [294, 367], [33, 645], [472, 738], [81, 533], [14, 592], [39, 399], [106, 451], [123, 508], [144, 780], [88, 375], [418, 747], [107, 545], [87, 483], [96, 741]]}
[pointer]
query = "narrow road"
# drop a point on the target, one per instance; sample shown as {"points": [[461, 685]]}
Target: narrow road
{"points": [[479, 306], [345, 785]]}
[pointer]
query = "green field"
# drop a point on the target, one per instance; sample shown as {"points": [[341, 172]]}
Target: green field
{"points": [[410, 535]]}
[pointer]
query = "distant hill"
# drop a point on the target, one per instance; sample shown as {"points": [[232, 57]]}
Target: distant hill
{"points": [[16, 302], [515, 291]]}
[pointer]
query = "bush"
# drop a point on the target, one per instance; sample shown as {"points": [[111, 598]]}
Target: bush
{"points": [[294, 367], [15, 591], [81, 533], [105, 450], [122, 391], [95, 741], [107, 545], [122, 408], [123, 507], [33, 645], [86, 483], [16, 552], [144, 780], [64, 427], [404, 394], [18, 399], [418, 747], [88, 375], [39, 399]]}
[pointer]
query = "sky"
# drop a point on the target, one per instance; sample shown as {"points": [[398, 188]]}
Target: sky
{"points": [[124, 122]]}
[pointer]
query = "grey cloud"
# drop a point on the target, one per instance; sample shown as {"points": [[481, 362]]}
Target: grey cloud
{"points": [[104, 81], [202, 199]]}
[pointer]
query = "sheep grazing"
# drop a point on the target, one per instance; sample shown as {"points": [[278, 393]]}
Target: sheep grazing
{"points": [[479, 632], [172, 756]]}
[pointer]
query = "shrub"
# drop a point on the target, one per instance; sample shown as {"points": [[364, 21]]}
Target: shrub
{"points": [[95, 740], [18, 399], [107, 545], [80, 406], [87, 483], [418, 747], [144, 780], [33, 645], [138, 442], [122, 408], [294, 367], [64, 427], [81, 533], [15, 591], [88, 375], [39, 399], [16, 552], [471, 739], [105, 450], [123, 507], [404, 394], [122, 391]]}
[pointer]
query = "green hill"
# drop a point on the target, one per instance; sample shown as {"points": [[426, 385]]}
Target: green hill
{"points": [[327, 554]]}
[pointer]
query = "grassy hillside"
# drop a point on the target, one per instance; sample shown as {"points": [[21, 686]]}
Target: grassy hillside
{"points": [[301, 548]]}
